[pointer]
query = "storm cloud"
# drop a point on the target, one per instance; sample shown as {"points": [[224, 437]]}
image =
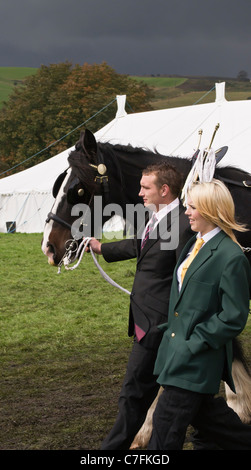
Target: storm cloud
{"points": [[139, 37]]}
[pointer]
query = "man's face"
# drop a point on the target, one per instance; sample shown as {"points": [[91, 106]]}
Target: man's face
{"points": [[151, 194]]}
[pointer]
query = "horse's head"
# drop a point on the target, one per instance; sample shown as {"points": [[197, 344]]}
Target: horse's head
{"points": [[74, 191]]}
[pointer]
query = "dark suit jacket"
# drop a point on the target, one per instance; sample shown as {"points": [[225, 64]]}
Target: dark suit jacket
{"points": [[209, 311], [154, 272]]}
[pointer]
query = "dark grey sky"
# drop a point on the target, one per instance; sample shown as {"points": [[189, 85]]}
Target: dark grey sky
{"points": [[201, 37]]}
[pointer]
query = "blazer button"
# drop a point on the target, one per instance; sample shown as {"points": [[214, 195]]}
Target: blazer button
{"points": [[176, 314], [172, 335]]}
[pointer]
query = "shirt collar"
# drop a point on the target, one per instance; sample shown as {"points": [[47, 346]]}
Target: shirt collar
{"points": [[166, 209], [209, 235]]}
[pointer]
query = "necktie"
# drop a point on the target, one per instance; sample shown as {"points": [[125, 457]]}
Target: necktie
{"points": [[196, 248], [149, 229]]}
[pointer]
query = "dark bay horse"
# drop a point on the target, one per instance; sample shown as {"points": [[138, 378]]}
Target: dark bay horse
{"points": [[114, 172]]}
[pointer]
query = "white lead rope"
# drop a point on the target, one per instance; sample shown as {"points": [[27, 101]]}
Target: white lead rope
{"points": [[81, 250]]}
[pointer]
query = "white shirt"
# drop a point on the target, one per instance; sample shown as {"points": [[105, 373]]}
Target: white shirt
{"points": [[162, 213], [206, 239]]}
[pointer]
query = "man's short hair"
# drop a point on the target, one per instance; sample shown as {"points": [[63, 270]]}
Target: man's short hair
{"points": [[166, 174]]}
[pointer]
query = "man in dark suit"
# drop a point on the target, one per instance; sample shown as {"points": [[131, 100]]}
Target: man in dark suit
{"points": [[156, 258]]}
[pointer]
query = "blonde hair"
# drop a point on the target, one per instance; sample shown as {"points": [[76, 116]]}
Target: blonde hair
{"points": [[214, 202]]}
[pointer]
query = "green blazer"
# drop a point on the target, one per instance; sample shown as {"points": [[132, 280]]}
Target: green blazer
{"points": [[210, 310]]}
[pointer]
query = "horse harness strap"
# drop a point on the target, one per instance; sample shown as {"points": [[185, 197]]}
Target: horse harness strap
{"points": [[60, 221], [102, 177], [246, 183], [57, 219]]}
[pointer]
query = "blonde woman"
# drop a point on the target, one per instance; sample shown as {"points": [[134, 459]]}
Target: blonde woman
{"points": [[208, 307]]}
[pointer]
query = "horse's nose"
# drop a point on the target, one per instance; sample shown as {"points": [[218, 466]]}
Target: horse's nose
{"points": [[49, 251]]}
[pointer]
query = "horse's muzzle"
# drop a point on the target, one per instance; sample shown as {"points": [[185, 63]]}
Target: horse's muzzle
{"points": [[50, 252]]}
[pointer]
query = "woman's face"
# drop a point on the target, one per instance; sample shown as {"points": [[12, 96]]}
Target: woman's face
{"points": [[197, 222]]}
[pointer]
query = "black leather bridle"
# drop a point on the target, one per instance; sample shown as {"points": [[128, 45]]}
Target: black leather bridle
{"points": [[100, 178]]}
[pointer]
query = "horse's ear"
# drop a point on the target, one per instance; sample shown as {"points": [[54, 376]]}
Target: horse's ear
{"points": [[89, 144]]}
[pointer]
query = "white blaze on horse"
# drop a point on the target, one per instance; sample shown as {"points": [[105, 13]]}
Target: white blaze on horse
{"points": [[113, 172]]}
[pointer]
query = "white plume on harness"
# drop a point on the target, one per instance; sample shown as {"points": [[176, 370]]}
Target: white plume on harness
{"points": [[79, 254], [203, 170]]}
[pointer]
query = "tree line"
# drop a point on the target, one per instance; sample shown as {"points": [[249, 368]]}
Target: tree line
{"points": [[56, 100]]}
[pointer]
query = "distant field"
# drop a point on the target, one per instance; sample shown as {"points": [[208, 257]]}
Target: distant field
{"points": [[161, 81], [172, 92], [169, 92], [10, 77]]}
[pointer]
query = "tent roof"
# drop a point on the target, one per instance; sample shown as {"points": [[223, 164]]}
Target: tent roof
{"points": [[175, 131], [170, 131], [39, 178]]}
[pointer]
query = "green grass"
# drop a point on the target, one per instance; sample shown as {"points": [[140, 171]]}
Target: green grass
{"points": [[161, 82], [11, 77], [63, 347], [16, 73], [38, 305]]}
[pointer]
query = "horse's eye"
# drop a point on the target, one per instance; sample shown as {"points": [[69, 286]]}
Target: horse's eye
{"points": [[74, 192], [72, 195]]}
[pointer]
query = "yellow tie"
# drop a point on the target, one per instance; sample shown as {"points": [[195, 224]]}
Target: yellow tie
{"points": [[196, 248]]}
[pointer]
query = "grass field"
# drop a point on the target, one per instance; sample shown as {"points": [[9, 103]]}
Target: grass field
{"points": [[161, 82], [10, 77], [63, 347], [172, 92]]}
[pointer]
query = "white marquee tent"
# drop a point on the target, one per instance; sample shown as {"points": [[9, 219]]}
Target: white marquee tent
{"points": [[26, 198]]}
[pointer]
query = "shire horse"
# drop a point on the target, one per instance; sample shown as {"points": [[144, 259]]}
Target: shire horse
{"points": [[114, 172]]}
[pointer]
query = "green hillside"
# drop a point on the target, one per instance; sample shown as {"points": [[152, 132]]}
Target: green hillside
{"points": [[10, 77], [171, 92]]}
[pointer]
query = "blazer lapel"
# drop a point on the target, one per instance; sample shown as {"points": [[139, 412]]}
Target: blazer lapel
{"points": [[140, 233], [185, 251], [175, 285], [201, 257], [204, 254]]}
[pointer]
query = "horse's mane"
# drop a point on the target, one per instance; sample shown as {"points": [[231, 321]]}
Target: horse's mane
{"points": [[135, 159], [135, 154], [129, 151]]}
